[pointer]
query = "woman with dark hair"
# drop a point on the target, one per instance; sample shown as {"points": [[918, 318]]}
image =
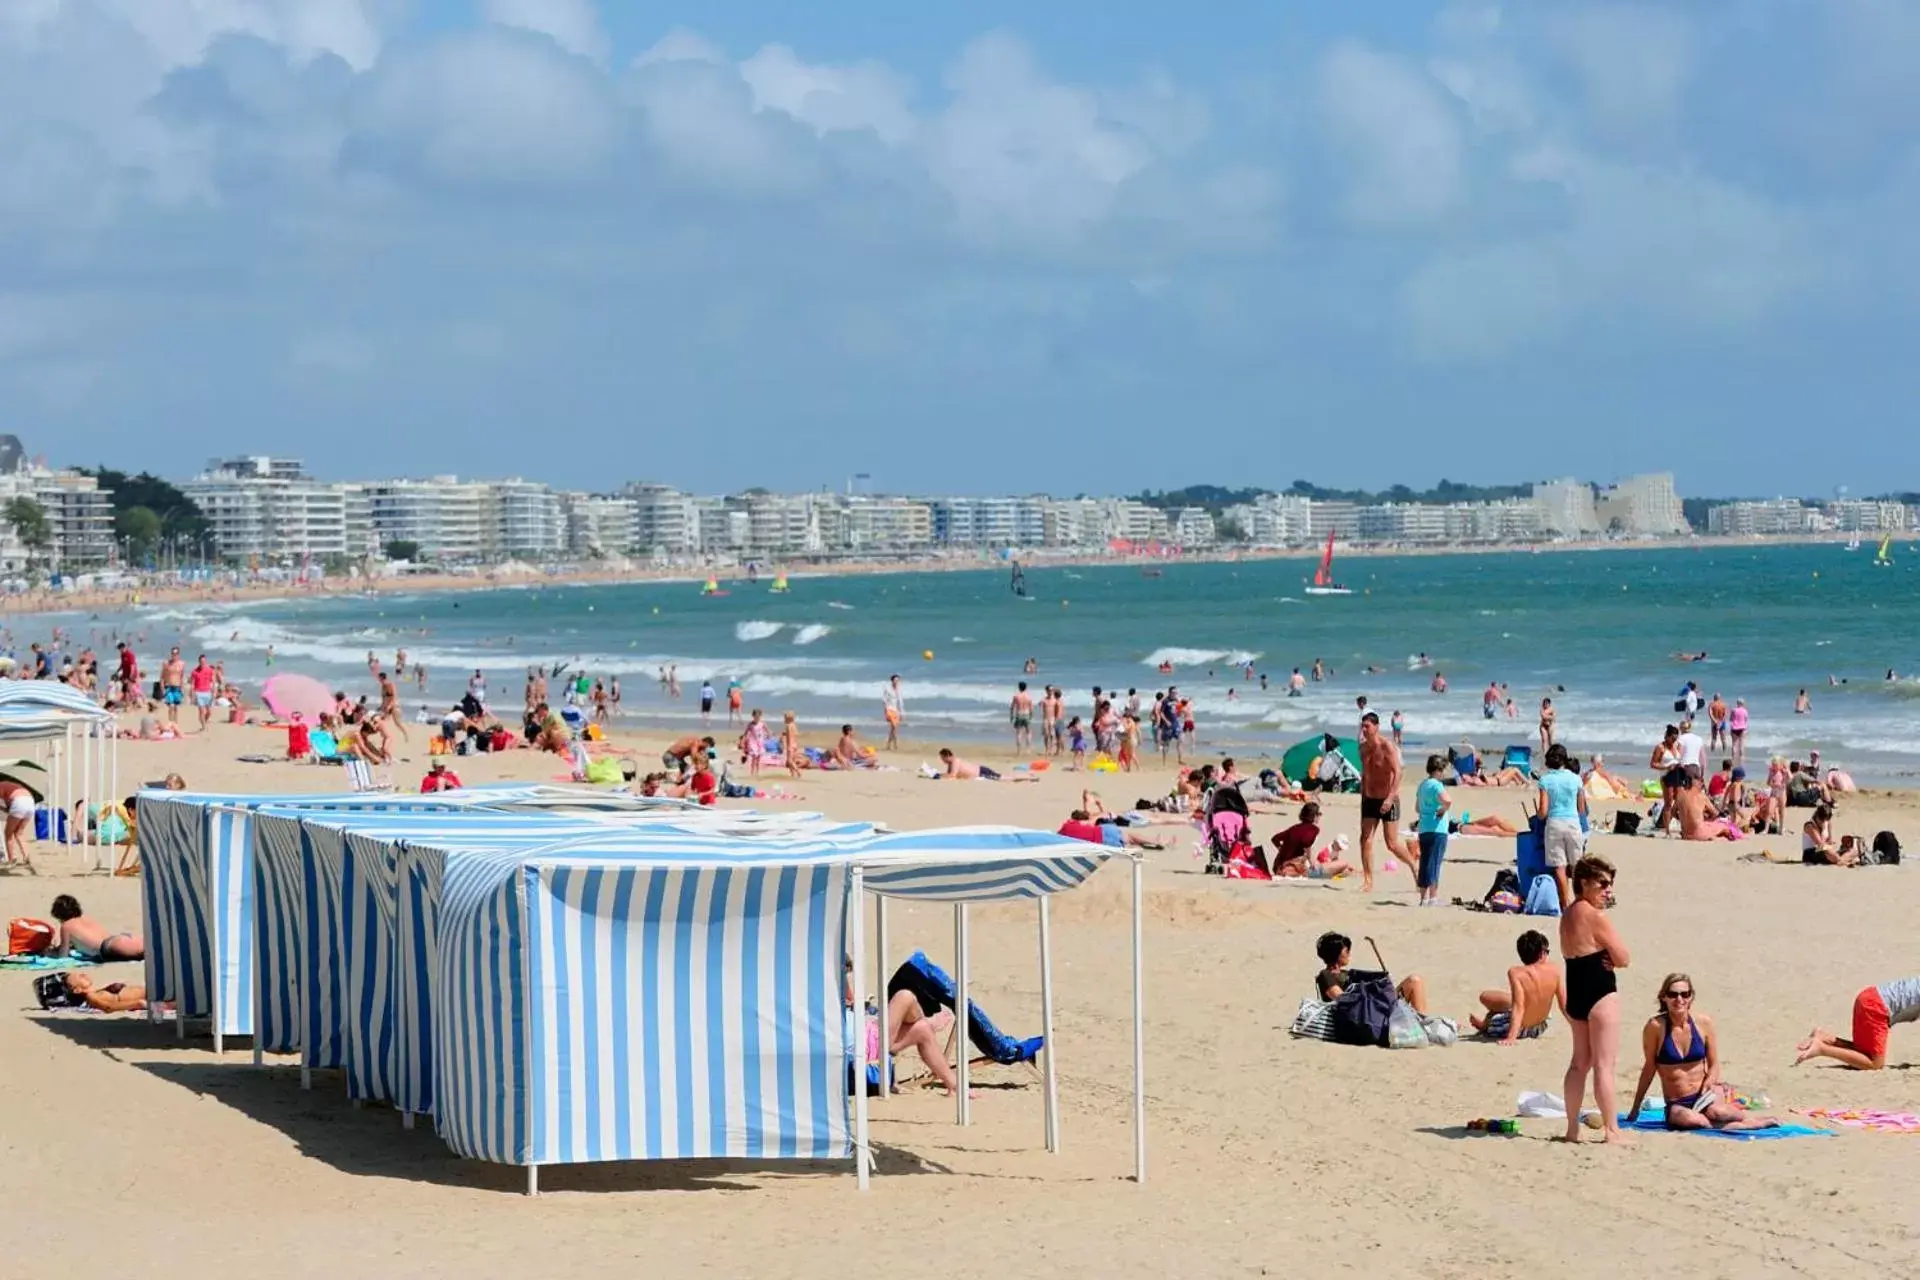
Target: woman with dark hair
{"points": [[1593, 952], [78, 934]]}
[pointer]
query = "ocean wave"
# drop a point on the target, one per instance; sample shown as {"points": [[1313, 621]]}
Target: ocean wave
{"points": [[1179, 657], [747, 632], [811, 632]]}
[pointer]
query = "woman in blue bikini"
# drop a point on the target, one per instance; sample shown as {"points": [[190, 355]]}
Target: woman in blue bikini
{"points": [[1682, 1050]]}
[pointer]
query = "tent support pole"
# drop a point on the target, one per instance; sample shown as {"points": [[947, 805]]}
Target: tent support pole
{"points": [[880, 953], [1139, 1034], [862, 1151], [533, 1179], [1051, 1081], [962, 1113]]}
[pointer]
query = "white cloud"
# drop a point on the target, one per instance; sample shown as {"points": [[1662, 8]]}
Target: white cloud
{"points": [[1394, 135], [574, 25], [830, 99], [682, 45], [1633, 62]]}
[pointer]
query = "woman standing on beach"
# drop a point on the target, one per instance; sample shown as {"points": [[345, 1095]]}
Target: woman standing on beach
{"points": [[1593, 952], [1546, 725]]}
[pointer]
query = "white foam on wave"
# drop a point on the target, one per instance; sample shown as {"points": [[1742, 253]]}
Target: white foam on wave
{"points": [[811, 632], [1179, 657], [747, 632]]}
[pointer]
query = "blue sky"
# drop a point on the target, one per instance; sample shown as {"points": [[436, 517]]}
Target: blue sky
{"points": [[966, 248]]}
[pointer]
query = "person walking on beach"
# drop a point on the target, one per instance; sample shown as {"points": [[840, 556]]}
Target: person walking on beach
{"points": [[893, 704], [613, 693], [202, 679], [1737, 731], [1594, 952], [706, 701], [1379, 796], [1561, 801], [390, 705], [1020, 712], [173, 683]]}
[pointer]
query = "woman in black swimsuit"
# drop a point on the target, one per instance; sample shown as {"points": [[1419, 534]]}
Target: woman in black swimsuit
{"points": [[1592, 1003]]}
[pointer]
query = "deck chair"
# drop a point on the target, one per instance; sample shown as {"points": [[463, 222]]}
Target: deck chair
{"points": [[1519, 757], [325, 749], [361, 776]]}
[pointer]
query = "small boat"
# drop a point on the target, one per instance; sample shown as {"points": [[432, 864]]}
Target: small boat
{"points": [[1883, 558], [779, 586], [1853, 543], [713, 588], [1153, 573], [1323, 583]]}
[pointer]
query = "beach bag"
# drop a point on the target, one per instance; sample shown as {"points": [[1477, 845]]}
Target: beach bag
{"points": [[1886, 849], [51, 990], [50, 824], [605, 770], [1403, 1027], [1543, 897], [1314, 1021], [1441, 1032], [1503, 894], [1626, 823], [1246, 862], [27, 936], [1360, 1014]]}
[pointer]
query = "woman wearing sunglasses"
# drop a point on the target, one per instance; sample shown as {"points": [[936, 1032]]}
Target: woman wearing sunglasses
{"points": [[1681, 1049], [1593, 951]]}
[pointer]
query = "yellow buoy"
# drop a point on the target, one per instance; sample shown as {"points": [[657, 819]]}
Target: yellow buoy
{"points": [[927, 654]]}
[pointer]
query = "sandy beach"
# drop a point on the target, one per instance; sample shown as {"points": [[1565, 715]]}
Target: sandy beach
{"points": [[1266, 1153]]}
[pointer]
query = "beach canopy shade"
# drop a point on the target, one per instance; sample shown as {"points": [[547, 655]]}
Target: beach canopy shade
{"points": [[30, 774], [45, 699], [1297, 763], [287, 693]]}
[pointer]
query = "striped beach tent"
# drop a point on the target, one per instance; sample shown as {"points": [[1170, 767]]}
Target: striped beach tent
{"points": [[198, 890], [41, 696]]}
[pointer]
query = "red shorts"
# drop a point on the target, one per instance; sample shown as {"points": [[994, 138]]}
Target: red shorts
{"points": [[1870, 1023]]}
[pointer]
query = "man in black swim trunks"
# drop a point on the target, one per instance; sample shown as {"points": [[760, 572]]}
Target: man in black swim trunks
{"points": [[1379, 795]]}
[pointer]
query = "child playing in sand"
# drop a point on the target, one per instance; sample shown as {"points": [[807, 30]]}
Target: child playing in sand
{"points": [[1534, 986], [1077, 739]]}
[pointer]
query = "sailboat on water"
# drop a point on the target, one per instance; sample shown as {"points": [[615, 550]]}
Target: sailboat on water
{"points": [[1853, 543], [1323, 583], [1883, 558]]}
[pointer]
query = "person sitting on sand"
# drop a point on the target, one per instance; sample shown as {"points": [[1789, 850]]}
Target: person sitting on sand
{"points": [[1818, 845], [1335, 950], [80, 935], [439, 778], [1534, 987], [1876, 1011], [1293, 852], [847, 752], [1690, 807], [1686, 1057], [1603, 784]]}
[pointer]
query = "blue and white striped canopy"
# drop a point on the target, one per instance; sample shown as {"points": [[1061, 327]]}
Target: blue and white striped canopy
{"points": [[48, 698]]}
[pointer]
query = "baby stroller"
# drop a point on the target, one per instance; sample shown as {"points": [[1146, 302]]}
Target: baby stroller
{"points": [[1229, 828]]}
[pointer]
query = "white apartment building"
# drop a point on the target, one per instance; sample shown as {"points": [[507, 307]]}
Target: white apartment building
{"points": [[1273, 520], [1643, 505], [1194, 527], [860, 523], [79, 518], [523, 520], [597, 525], [1341, 519], [1130, 521], [1403, 522], [665, 521], [1751, 519], [1868, 516], [1567, 508], [266, 510], [989, 522], [450, 519]]}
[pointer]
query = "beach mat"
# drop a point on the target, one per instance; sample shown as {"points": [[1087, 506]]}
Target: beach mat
{"points": [[1865, 1118], [45, 964], [1653, 1119]]}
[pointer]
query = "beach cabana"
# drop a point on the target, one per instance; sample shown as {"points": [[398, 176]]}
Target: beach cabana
{"points": [[73, 736], [616, 1000]]}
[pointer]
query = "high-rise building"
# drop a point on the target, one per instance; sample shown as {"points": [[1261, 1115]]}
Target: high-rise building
{"points": [[1567, 508], [265, 509], [523, 520], [1643, 505], [445, 517]]}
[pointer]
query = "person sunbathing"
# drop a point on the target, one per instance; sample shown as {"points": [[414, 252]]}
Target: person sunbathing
{"points": [[1081, 824], [1690, 808], [1491, 824], [1604, 784], [1687, 1060], [110, 997], [1534, 987], [79, 934], [1505, 777], [965, 770]]}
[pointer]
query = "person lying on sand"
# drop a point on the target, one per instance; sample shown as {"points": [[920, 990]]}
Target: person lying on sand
{"points": [[965, 770], [78, 934], [1534, 987], [1082, 825], [1680, 1047], [110, 997]]}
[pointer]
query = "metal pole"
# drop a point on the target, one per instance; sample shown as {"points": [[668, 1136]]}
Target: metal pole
{"points": [[533, 1179], [880, 954], [861, 1149], [1051, 1086], [1139, 1034], [962, 1113]]}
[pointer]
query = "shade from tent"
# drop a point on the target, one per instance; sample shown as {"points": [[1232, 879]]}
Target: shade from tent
{"points": [[1297, 763]]}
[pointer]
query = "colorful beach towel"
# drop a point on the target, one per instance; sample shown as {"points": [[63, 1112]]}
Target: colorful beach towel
{"points": [[1653, 1119], [1865, 1118], [43, 964]]}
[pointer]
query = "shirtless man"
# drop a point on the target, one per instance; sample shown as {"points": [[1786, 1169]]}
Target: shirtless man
{"points": [[847, 753], [1020, 712], [894, 704], [966, 770], [1717, 723], [679, 757], [1379, 795], [173, 681], [1534, 986], [1690, 807]]}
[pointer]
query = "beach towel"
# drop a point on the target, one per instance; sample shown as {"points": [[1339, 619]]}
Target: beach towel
{"points": [[1653, 1119], [1865, 1118], [934, 989], [44, 964]]}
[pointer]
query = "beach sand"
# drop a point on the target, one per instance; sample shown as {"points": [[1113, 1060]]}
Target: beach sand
{"points": [[131, 1153]]}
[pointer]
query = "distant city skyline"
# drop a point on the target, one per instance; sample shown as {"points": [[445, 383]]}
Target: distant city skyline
{"points": [[1002, 248]]}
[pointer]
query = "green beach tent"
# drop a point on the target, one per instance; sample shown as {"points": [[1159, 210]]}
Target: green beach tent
{"points": [[1301, 755]]}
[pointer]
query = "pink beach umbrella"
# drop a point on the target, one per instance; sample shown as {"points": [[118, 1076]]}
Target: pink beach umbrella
{"points": [[287, 694]]}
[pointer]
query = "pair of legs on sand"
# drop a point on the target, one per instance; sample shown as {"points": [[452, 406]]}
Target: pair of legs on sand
{"points": [[909, 1027]]}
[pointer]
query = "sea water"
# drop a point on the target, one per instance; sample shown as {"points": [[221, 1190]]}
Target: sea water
{"points": [[1596, 631]]}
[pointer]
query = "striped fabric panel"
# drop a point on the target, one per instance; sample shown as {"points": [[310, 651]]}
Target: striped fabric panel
{"points": [[279, 928], [174, 903], [16, 695], [978, 864], [229, 843], [685, 1012], [479, 1041]]}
